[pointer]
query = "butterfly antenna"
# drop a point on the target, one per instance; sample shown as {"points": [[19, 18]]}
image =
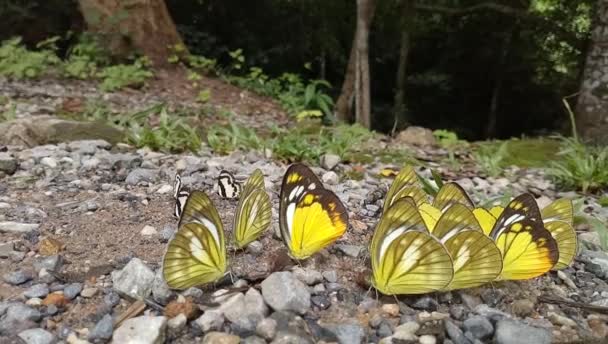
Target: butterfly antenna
{"points": [[368, 291]]}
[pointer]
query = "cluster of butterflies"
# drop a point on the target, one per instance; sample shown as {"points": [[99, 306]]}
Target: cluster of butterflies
{"points": [[419, 245], [422, 245], [310, 218]]}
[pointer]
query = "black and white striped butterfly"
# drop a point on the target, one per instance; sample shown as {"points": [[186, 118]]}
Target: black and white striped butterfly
{"points": [[181, 195], [227, 186]]}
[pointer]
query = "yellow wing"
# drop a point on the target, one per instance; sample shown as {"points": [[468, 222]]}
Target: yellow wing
{"points": [[315, 222], [485, 218], [252, 217], [430, 215], [528, 249], [476, 258], [405, 258], [449, 194], [560, 210], [199, 208], [406, 177], [195, 256], [255, 181], [413, 191], [566, 239]]}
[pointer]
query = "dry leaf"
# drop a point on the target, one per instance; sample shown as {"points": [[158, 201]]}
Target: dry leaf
{"points": [[57, 299], [187, 308], [50, 246]]}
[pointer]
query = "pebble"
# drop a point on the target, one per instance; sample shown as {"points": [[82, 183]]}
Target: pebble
{"points": [[330, 276], [427, 339], [17, 277], [479, 327], [48, 162], [8, 164], [134, 280], [455, 333], [103, 329], [89, 292], [283, 292], [211, 320], [37, 290], [266, 328], [148, 231], [321, 301], [50, 263], [160, 290], [141, 330], [390, 309], [177, 323], [329, 161], [406, 331], [37, 336], [330, 178], [350, 250], [511, 332], [141, 175], [6, 249], [308, 276], [72, 290], [220, 338], [255, 247], [426, 303], [165, 189], [522, 307], [559, 319], [16, 227], [348, 333]]}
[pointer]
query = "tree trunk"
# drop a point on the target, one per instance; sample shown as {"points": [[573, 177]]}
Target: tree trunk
{"points": [[592, 107], [407, 11], [127, 25], [365, 13], [344, 104]]}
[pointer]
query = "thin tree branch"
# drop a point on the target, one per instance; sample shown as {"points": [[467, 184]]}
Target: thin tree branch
{"points": [[483, 6]]}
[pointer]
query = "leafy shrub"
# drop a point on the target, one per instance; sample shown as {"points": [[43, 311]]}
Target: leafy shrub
{"points": [[224, 140], [16, 61], [490, 158], [580, 166], [85, 58], [125, 75]]}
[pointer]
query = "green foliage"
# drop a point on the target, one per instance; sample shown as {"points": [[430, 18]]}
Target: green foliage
{"points": [[85, 58], [580, 166], [490, 159], [9, 114], [125, 75], [16, 61], [197, 63], [172, 134], [450, 141], [204, 96], [224, 140]]}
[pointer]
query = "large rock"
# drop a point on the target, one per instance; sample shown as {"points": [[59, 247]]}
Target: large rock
{"points": [[416, 136], [511, 332], [283, 292], [134, 280], [37, 336], [16, 227], [141, 330], [41, 130]]}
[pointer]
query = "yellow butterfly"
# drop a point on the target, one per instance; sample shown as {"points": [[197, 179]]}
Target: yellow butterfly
{"points": [[476, 258], [557, 218], [310, 217], [406, 258], [197, 253], [253, 212], [528, 249], [404, 185], [448, 194]]}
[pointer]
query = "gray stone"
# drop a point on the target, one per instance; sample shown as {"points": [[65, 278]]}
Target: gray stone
{"points": [[426, 303], [141, 175], [329, 161], [37, 290], [455, 333], [267, 328], [255, 247], [72, 290], [245, 311], [89, 292], [253, 340], [37, 336], [160, 290], [330, 178], [417, 136], [20, 312], [49, 162], [457, 311], [45, 277], [220, 338], [384, 330], [8, 164], [491, 313], [177, 323], [350, 250], [111, 299], [89, 147], [479, 327], [283, 292], [134, 280], [167, 233], [17, 277], [308, 276], [16, 227], [50, 263], [348, 333], [511, 332], [103, 329], [141, 330], [427, 339], [330, 276], [211, 320], [6, 249]]}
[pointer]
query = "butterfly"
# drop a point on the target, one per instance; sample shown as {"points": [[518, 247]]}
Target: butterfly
{"points": [[404, 185], [558, 218], [447, 195], [181, 195], [227, 186], [405, 257], [197, 253], [310, 216], [253, 212], [476, 258], [528, 249]]}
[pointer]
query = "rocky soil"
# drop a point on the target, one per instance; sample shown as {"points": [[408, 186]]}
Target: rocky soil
{"points": [[84, 225]]}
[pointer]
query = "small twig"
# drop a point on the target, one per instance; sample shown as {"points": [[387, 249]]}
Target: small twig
{"points": [[571, 114], [134, 310], [557, 300]]}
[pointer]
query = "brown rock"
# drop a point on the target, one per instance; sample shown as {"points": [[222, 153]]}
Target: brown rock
{"points": [[522, 308], [57, 299]]}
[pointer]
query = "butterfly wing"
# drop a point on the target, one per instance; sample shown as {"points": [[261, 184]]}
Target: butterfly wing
{"points": [[199, 208], [252, 216], [476, 258], [315, 222], [194, 257], [227, 186], [255, 181], [560, 210], [413, 191], [485, 219], [528, 249], [449, 194], [567, 242], [297, 180], [406, 259], [406, 177], [429, 214]]}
